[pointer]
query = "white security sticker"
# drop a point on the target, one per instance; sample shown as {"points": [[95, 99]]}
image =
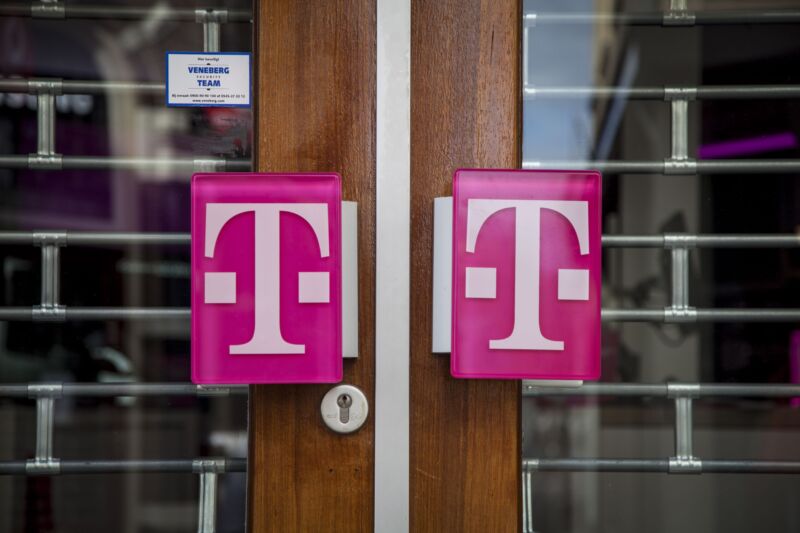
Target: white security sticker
{"points": [[199, 79]]}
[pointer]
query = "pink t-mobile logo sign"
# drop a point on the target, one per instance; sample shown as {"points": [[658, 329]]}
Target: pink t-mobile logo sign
{"points": [[526, 274], [266, 278]]}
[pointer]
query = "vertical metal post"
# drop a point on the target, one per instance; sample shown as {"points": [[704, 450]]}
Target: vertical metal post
{"points": [[46, 122], [50, 275], [211, 37], [679, 162], [679, 309], [44, 428], [45, 91], [684, 461], [207, 501], [680, 129], [207, 507], [211, 20], [680, 277], [43, 462], [50, 309], [527, 501], [683, 428]]}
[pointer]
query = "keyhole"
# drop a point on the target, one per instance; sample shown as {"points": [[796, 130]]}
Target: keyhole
{"points": [[344, 401]]}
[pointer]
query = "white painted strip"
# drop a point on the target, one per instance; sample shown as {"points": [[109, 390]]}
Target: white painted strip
{"points": [[392, 264], [442, 273], [349, 279]]}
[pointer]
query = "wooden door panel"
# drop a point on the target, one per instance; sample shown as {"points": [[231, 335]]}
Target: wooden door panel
{"points": [[465, 112], [315, 111]]}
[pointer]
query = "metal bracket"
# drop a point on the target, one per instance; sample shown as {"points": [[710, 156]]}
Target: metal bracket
{"points": [[209, 165], [47, 238], [212, 465], [683, 390], [678, 14], [680, 93], [213, 390], [45, 390], [45, 162], [48, 9]]}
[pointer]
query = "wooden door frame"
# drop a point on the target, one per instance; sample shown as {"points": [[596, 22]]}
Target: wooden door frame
{"points": [[315, 86]]}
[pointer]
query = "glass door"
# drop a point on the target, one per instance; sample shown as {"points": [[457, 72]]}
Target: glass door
{"points": [[689, 110], [102, 429]]}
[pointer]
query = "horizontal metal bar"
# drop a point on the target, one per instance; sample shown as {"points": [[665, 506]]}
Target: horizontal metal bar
{"points": [[625, 315], [660, 465], [145, 163], [608, 315], [689, 167], [106, 238], [88, 238], [700, 315], [747, 315], [746, 467], [126, 313], [97, 313], [664, 390], [16, 313], [720, 92], [704, 241], [596, 465], [688, 18], [24, 85], [188, 466], [99, 238], [44, 390], [68, 162], [159, 11]]}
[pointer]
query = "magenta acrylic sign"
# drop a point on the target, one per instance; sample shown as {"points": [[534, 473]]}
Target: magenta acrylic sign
{"points": [[526, 274], [266, 278]]}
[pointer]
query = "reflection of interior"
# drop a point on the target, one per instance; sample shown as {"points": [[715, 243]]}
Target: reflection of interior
{"points": [[588, 128], [114, 124]]}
